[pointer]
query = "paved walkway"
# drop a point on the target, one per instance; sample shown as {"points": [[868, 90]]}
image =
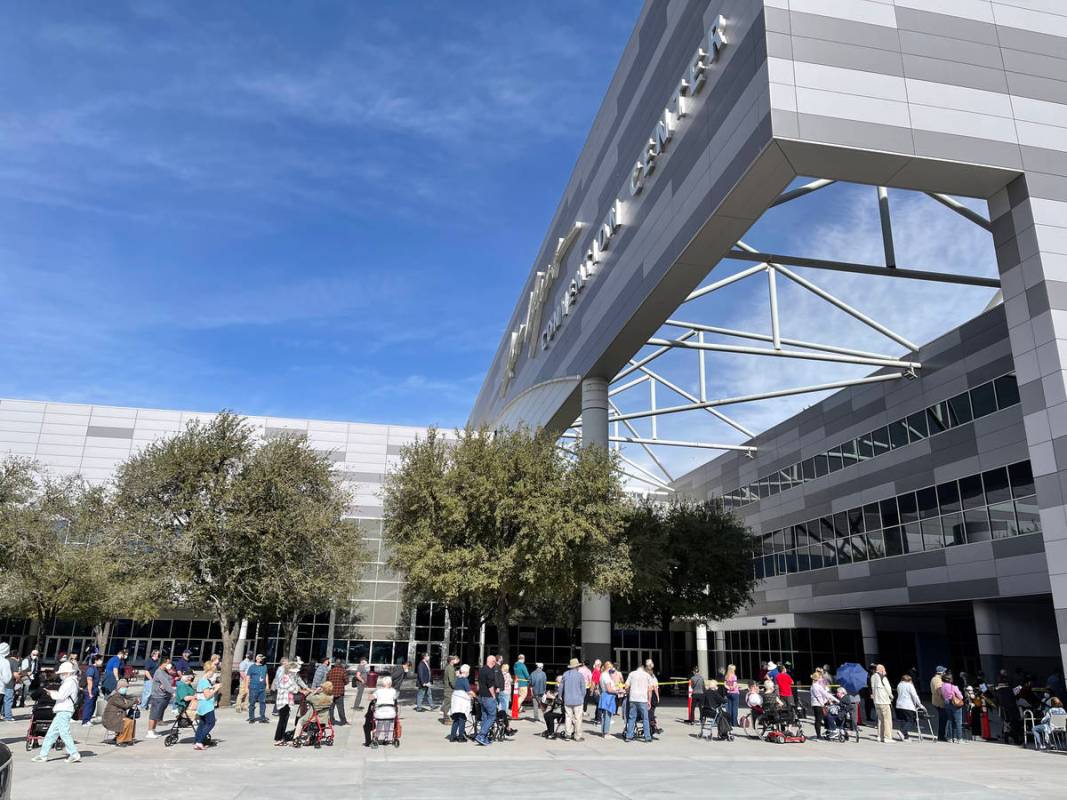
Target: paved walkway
{"points": [[246, 766]]}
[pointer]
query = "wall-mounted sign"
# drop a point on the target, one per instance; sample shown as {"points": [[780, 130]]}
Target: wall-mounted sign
{"points": [[539, 328]]}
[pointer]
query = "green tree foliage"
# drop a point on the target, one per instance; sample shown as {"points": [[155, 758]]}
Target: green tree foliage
{"points": [[62, 555], [691, 560], [249, 531], [497, 522]]}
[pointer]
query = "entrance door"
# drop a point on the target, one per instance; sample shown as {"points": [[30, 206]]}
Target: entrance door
{"points": [[164, 646], [627, 659]]}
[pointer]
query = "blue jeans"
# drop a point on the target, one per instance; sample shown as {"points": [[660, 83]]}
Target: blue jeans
{"points": [[488, 717], [459, 724], [502, 701], [257, 696], [204, 726], [605, 720], [424, 693], [954, 723], [731, 707], [59, 729], [631, 720], [9, 702], [146, 693]]}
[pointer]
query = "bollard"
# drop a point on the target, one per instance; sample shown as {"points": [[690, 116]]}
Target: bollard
{"points": [[859, 722], [515, 701], [985, 725], [689, 709]]}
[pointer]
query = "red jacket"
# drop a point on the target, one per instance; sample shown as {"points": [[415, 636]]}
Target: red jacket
{"points": [[785, 684]]}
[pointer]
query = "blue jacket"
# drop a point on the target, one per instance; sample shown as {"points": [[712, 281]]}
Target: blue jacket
{"points": [[573, 687], [538, 682], [424, 675]]}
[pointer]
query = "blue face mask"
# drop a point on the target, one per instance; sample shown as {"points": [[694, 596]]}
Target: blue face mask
{"points": [[122, 691]]}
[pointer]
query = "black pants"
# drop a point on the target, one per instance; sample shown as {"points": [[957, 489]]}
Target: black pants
{"points": [[283, 723], [337, 711], [908, 719], [551, 718], [816, 719], [368, 729]]}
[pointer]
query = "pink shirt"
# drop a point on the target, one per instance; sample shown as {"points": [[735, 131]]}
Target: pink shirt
{"points": [[731, 685], [948, 691]]}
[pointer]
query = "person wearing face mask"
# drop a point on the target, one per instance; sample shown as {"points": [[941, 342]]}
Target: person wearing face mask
{"points": [[116, 717]]}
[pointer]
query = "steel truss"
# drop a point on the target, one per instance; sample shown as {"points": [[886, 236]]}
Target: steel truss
{"points": [[637, 374]]}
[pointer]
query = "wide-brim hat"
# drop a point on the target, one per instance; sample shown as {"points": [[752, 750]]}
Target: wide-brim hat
{"points": [[572, 663], [66, 668]]}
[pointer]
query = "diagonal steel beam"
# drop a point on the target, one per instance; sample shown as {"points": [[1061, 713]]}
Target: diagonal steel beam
{"points": [[714, 412], [650, 357], [961, 209], [800, 191], [762, 337], [764, 351]]}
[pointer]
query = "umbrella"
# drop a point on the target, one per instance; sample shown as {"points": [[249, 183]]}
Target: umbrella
{"points": [[852, 676]]}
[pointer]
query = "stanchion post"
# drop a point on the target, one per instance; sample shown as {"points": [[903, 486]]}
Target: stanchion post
{"points": [[515, 700], [689, 710]]}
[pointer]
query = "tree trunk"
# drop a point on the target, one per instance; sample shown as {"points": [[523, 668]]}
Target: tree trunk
{"points": [[503, 637], [289, 628], [667, 654], [411, 635], [230, 629], [102, 633]]}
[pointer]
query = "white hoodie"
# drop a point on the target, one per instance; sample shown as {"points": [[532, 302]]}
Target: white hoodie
{"points": [[5, 667]]}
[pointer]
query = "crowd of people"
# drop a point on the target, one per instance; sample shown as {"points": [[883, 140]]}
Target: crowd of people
{"points": [[477, 704]]}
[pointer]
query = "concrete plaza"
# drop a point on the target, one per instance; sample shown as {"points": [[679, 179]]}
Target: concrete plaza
{"points": [[245, 765]]}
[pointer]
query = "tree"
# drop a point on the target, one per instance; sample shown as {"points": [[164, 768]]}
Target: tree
{"points": [[691, 560], [252, 531], [500, 521], [62, 554]]}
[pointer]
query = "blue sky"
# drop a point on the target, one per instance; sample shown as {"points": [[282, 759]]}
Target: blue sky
{"points": [[313, 209], [328, 209]]}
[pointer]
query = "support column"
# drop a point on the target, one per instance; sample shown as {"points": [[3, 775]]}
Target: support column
{"points": [[987, 627], [1027, 221], [720, 652], [702, 649], [870, 637], [596, 608], [331, 629]]}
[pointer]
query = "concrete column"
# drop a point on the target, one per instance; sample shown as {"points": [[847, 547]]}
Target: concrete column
{"points": [[870, 637], [331, 629], [596, 608], [702, 649], [720, 651], [987, 627], [1027, 220]]}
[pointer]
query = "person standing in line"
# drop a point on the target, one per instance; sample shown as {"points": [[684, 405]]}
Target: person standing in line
{"points": [[450, 686], [654, 698], [953, 698], [205, 705], [594, 688], [181, 664], [938, 701], [908, 704], [336, 678], [113, 672], [459, 702], [92, 689], [639, 694], [538, 686], [487, 699], [148, 669], [284, 687], [424, 684], [321, 670], [7, 681], [242, 689], [733, 693], [608, 700], [587, 676], [161, 692], [696, 690], [784, 682], [573, 690], [359, 677], [63, 710], [821, 700], [258, 686], [522, 679], [503, 695], [279, 678], [30, 669], [882, 695]]}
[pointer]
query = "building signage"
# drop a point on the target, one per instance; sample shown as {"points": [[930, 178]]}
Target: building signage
{"points": [[540, 326]]}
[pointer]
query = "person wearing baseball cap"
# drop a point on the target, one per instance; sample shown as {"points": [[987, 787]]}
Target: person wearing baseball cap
{"points": [[65, 698]]}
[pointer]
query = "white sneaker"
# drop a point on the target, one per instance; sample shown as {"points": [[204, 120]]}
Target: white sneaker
{"points": [[151, 735], [74, 759]]}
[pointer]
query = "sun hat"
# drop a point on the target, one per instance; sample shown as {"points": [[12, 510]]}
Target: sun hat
{"points": [[572, 663], [66, 668]]}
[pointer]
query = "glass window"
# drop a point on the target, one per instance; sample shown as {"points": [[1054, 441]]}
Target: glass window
{"points": [[841, 524], [898, 433], [976, 522], [848, 453], [814, 530], [917, 426], [800, 534], [948, 497], [953, 529], [826, 525], [927, 501], [763, 488], [937, 418], [912, 537], [807, 469], [1027, 516], [1022, 479], [822, 466], [872, 518], [971, 491], [829, 554], [959, 410], [983, 400], [865, 447], [876, 545], [859, 548], [1007, 391], [834, 457], [909, 507], [855, 520], [880, 438], [1002, 520], [893, 543], [890, 516], [933, 537], [995, 482], [844, 551]]}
